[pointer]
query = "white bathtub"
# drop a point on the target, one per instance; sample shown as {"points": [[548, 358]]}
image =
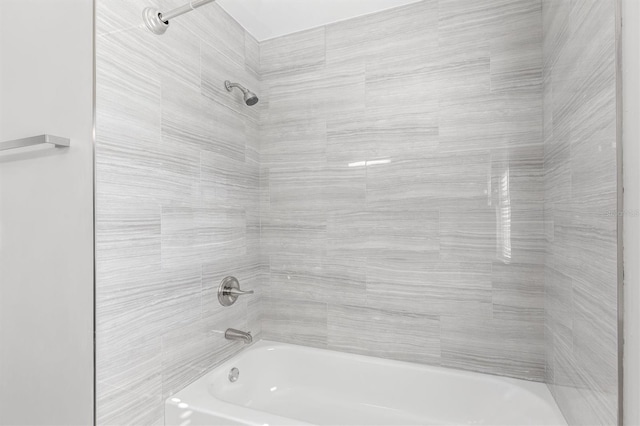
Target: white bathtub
{"points": [[281, 384]]}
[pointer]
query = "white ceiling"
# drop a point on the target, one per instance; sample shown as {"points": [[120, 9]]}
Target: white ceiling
{"points": [[266, 19]]}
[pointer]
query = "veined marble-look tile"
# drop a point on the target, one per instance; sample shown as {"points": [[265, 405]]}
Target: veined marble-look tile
{"points": [[395, 31], [305, 49], [193, 235], [156, 330], [557, 164], [586, 68], [503, 347], [228, 136], [549, 370], [411, 285], [471, 234], [129, 384], [252, 54], [526, 239], [216, 27], [134, 171], [180, 50], [317, 188], [127, 237], [384, 234], [318, 278], [345, 86], [378, 135], [348, 232], [404, 55], [386, 334], [518, 291], [264, 197], [430, 182], [227, 182], [558, 304], [255, 313], [593, 34], [547, 99], [593, 151], [252, 139], [566, 390], [295, 321], [595, 341], [137, 404], [461, 22], [518, 67], [128, 366], [128, 96], [298, 96], [580, 400], [309, 93], [145, 307], [185, 115], [556, 29], [460, 72], [585, 238], [185, 356], [516, 54], [412, 91], [580, 191], [491, 121], [560, 351], [289, 232], [293, 142]]}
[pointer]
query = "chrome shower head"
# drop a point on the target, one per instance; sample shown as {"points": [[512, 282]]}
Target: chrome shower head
{"points": [[250, 98]]}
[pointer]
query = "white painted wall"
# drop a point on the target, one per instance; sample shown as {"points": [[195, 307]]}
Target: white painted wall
{"points": [[46, 214], [631, 236], [266, 19]]}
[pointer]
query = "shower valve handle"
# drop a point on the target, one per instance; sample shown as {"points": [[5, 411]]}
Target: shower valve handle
{"points": [[237, 292], [229, 291]]}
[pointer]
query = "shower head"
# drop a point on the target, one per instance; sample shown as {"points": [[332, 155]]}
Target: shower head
{"points": [[250, 98]]}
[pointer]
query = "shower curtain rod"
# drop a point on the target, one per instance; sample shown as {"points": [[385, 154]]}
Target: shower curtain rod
{"points": [[158, 22]]}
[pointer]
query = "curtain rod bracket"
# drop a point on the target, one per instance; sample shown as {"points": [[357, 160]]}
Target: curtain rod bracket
{"points": [[158, 22], [154, 23]]}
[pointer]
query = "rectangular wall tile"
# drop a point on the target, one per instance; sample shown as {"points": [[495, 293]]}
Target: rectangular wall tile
{"points": [[305, 49], [580, 181], [403, 150], [386, 334], [177, 190], [499, 346]]}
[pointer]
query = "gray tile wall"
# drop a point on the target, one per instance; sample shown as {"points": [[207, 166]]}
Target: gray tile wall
{"points": [[177, 203], [580, 203], [387, 196], [402, 186]]}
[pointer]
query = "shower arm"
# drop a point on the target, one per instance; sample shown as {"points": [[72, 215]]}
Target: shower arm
{"points": [[229, 85], [183, 9], [158, 22]]}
